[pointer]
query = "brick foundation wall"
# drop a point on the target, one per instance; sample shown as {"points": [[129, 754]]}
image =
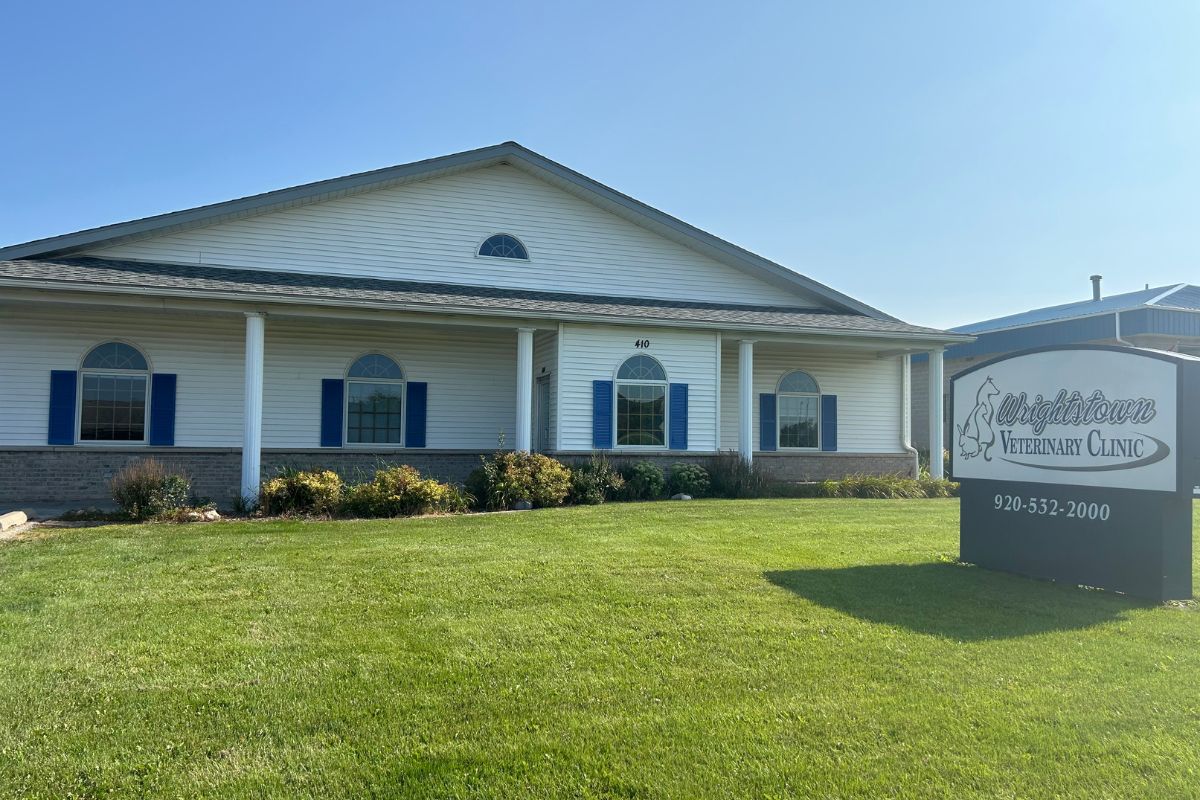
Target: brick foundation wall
{"points": [[67, 475]]}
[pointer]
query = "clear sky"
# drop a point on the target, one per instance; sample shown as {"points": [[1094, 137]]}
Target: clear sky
{"points": [[947, 162]]}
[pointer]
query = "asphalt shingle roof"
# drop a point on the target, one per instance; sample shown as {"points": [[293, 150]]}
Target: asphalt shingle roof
{"points": [[179, 279]]}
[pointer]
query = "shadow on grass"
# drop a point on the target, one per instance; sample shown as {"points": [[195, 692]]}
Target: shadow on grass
{"points": [[964, 603]]}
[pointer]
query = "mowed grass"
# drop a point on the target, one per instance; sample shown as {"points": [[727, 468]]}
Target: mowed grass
{"points": [[772, 648]]}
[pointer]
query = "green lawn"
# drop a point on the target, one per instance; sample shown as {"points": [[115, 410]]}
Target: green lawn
{"points": [[709, 649]]}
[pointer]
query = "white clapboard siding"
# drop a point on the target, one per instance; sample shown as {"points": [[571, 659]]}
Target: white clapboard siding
{"points": [[471, 373], [867, 388], [472, 377], [592, 352], [430, 231], [205, 352]]}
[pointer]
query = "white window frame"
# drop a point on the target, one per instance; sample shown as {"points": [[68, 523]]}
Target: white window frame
{"points": [[616, 417], [528, 253], [401, 382], [779, 411], [122, 373]]}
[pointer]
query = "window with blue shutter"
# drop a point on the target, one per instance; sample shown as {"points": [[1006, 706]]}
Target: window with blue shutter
{"points": [[829, 426], [766, 423], [417, 397], [679, 416], [332, 401], [162, 409], [63, 388], [602, 415]]}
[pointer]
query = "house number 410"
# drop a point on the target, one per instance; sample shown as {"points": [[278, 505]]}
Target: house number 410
{"points": [[643, 343]]}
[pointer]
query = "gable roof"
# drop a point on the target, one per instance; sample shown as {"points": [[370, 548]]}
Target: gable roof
{"points": [[1180, 295], [509, 153], [188, 280]]}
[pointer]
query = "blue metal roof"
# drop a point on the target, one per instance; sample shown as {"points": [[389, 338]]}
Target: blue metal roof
{"points": [[1166, 310], [1189, 296]]}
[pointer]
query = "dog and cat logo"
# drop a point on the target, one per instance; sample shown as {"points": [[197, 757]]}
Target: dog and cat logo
{"points": [[976, 437]]}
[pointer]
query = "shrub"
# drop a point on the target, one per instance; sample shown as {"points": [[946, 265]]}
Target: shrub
{"points": [[873, 487], [689, 479], [933, 487], [888, 487], [303, 493], [146, 488], [644, 480], [506, 478], [595, 481], [731, 477], [402, 492]]}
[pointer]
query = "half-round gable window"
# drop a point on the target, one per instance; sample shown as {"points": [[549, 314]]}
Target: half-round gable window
{"points": [[503, 246]]}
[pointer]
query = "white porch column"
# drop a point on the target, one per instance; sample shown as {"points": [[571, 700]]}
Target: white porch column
{"points": [[524, 388], [746, 399], [252, 408], [936, 413]]}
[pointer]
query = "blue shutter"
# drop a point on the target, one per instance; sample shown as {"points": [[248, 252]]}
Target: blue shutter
{"points": [[602, 415], [767, 439], [162, 409], [63, 390], [416, 401], [679, 417], [829, 422], [333, 401]]}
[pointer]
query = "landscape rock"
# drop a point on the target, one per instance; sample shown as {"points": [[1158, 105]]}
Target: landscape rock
{"points": [[522, 505], [12, 519], [193, 516], [681, 496], [211, 515]]}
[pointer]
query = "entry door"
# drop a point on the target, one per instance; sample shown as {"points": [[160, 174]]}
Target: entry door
{"points": [[543, 414]]}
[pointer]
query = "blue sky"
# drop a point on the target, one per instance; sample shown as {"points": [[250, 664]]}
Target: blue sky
{"points": [[946, 162]]}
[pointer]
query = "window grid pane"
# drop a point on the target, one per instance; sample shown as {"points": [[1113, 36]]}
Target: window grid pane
{"points": [[641, 414], [373, 413], [501, 246], [114, 355], [113, 408], [797, 421], [641, 368]]}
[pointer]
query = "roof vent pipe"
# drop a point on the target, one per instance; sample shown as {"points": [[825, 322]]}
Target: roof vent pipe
{"points": [[1096, 287]]}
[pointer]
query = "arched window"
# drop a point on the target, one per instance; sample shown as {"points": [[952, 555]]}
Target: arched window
{"points": [[641, 403], [798, 406], [114, 393], [503, 246], [374, 401]]}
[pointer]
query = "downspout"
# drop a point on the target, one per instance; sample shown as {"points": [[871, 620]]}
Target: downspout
{"points": [[1117, 325], [906, 412]]}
